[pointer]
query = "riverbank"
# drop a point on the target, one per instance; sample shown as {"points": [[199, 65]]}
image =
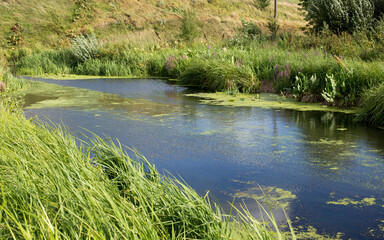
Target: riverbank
{"points": [[307, 75]]}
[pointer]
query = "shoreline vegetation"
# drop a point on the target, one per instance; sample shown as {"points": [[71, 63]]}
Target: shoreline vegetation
{"points": [[309, 76]]}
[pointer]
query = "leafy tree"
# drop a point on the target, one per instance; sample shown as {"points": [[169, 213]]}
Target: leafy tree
{"points": [[339, 15]]}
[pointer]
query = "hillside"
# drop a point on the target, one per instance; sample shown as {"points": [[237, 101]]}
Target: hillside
{"points": [[50, 24]]}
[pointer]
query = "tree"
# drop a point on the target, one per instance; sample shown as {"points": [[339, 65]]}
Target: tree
{"points": [[339, 15]]}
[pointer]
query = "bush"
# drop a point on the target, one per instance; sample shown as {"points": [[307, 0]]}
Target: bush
{"points": [[263, 4], [273, 26], [249, 30], [339, 15], [189, 26], [85, 47]]}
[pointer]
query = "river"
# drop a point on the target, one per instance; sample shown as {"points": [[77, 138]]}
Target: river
{"points": [[326, 171]]}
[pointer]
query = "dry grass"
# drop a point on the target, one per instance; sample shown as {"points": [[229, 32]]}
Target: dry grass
{"points": [[48, 24]]}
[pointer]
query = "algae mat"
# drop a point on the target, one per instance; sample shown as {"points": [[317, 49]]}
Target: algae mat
{"points": [[46, 95], [263, 100]]}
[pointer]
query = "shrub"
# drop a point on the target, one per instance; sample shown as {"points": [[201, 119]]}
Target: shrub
{"points": [[16, 37], [263, 4], [339, 15], [249, 29], [189, 26], [273, 26], [85, 47]]}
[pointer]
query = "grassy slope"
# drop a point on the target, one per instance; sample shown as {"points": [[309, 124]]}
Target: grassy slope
{"points": [[50, 23]]}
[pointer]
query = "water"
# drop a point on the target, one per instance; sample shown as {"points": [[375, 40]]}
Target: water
{"points": [[327, 171]]}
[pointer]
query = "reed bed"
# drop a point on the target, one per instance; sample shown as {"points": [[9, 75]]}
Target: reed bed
{"points": [[220, 76], [372, 110]]}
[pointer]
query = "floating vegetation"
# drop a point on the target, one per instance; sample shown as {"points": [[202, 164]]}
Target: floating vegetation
{"points": [[263, 100], [46, 95], [276, 197], [74, 77], [311, 233], [365, 202]]}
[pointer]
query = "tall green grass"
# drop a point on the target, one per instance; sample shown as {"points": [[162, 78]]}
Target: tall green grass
{"points": [[372, 111], [221, 67], [52, 187], [13, 83], [220, 76]]}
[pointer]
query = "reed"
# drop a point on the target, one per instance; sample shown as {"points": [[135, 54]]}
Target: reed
{"points": [[372, 110], [220, 76]]}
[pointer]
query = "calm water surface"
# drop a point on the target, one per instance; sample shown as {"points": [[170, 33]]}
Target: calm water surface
{"points": [[327, 171]]}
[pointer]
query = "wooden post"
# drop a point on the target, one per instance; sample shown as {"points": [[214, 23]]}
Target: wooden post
{"points": [[275, 9]]}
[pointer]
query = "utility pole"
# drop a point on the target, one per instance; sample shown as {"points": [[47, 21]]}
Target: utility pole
{"points": [[275, 9]]}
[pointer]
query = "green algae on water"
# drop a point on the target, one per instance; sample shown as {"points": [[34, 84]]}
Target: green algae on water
{"points": [[86, 77], [311, 233], [274, 196], [365, 202], [263, 100], [46, 95]]}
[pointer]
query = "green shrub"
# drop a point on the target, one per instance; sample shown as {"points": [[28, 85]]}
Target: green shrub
{"points": [[339, 15], [249, 29], [85, 47], [372, 111], [262, 4], [273, 26], [190, 27]]}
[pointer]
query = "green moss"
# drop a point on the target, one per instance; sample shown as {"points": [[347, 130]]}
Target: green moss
{"points": [[263, 100]]}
